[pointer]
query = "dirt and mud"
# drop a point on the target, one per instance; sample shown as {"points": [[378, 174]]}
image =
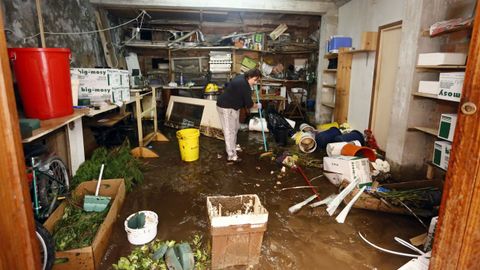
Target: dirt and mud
{"points": [[308, 239]]}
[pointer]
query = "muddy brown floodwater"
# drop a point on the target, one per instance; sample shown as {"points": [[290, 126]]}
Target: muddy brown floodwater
{"points": [[309, 239]]}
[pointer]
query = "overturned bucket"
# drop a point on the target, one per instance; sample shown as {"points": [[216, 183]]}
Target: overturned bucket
{"points": [[335, 149], [145, 234], [188, 141], [306, 128], [358, 151], [306, 142]]}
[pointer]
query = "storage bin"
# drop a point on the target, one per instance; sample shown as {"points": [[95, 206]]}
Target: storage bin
{"points": [[237, 224]]}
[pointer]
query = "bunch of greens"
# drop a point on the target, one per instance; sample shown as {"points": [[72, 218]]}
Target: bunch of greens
{"points": [[77, 228], [416, 198], [119, 163], [146, 257]]}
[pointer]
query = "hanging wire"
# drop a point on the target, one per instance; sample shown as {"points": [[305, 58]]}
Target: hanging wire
{"points": [[141, 15]]}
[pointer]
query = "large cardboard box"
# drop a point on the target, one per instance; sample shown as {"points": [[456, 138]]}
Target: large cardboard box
{"points": [[349, 167], [89, 258], [446, 129], [441, 154], [237, 224], [441, 58], [451, 85], [101, 77]]}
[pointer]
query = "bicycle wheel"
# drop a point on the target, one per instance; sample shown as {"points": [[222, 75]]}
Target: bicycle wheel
{"points": [[47, 246], [52, 182]]}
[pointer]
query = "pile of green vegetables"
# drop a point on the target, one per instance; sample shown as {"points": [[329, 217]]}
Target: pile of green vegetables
{"points": [[77, 228], [157, 255], [425, 198], [119, 163]]}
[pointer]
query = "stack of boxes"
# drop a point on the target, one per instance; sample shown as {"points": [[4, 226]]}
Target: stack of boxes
{"points": [[101, 85], [220, 62], [441, 149]]}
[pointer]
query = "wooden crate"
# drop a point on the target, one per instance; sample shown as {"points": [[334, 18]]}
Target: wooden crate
{"points": [[89, 258], [236, 238]]}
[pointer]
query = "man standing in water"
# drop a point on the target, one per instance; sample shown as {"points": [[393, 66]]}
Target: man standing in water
{"points": [[237, 95]]}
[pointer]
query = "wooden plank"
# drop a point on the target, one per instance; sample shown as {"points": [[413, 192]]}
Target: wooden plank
{"points": [[20, 247], [329, 70], [457, 235], [330, 55], [442, 67], [342, 93], [47, 126], [427, 130], [329, 86], [329, 104], [103, 39], [359, 51]]}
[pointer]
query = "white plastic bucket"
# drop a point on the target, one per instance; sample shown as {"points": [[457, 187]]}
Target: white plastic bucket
{"points": [[306, 142], [255, 125], [306, 128], [145, 234], [335, 149]]}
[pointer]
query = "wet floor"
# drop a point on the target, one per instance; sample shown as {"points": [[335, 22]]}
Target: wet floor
{"points": [[309, 239]]}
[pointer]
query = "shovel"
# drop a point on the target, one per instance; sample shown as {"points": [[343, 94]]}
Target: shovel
{"points": [[96, 203]]}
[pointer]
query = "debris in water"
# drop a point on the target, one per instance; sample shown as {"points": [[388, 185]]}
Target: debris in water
{"points": [[257, 185], [298, 187], [343, 215], [266, 154], [258, 168], [272, 172], [279, 183], [324, 201], [298, 206], [219, 156]]}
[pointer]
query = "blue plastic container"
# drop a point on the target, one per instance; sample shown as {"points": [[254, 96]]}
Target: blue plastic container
{"points": [[328, 136], [337, 42], [352, 136]]}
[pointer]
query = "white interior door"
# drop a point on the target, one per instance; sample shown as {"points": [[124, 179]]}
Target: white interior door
{"points": [[386, 73]]}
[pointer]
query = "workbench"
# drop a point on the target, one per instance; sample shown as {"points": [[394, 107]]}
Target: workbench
{"points": [[68, 131]]}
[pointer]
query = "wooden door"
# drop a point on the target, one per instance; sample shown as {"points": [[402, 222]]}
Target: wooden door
{"points": [[384, 81], [17, 235], [458, 229]]}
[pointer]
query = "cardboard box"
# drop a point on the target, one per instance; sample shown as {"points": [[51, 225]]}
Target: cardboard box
{"points": [[101, 77], [237, 224], [429, 87], [451, 85], [349, 167], [89, 258], [369, 41], [107, 94], [438, 59], [446, 129], [441, 154]]}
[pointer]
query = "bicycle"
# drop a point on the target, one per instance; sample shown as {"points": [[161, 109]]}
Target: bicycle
{"points": [[48, 180]]}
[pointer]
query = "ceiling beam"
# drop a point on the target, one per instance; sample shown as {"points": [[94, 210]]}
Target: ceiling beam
{"points": [[278, 6]]}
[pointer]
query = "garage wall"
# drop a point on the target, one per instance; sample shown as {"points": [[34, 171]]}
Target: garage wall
{"points": [[354, 18], [59, 16]]}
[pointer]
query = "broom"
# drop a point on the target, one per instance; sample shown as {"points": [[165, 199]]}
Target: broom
{"points": [[261, 120]]}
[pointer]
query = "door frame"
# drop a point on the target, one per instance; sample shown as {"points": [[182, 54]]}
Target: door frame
{"points": [[376, 68], [457, 235], [17, 234]]}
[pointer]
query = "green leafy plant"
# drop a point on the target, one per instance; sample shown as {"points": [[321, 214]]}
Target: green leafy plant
{"points": [[77, 228], [144, 258], [119, 163]]}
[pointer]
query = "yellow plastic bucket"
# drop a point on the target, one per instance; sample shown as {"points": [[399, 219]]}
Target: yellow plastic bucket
{"points": [[189, 143]]}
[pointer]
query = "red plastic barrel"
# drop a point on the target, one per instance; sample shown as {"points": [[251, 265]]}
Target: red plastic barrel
{"points": [[43, 78]]}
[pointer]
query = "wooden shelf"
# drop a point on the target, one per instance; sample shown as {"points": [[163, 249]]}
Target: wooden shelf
{"points": [[359, 51], [329, 86], [329, 70], [330, 55], [432, 96], [426, 32], [441, 67], [284, 81], [328, 104], [47, 126], [427, 130]]}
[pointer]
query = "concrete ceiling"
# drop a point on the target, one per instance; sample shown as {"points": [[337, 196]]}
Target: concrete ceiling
{"points": [[310, 7]]}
